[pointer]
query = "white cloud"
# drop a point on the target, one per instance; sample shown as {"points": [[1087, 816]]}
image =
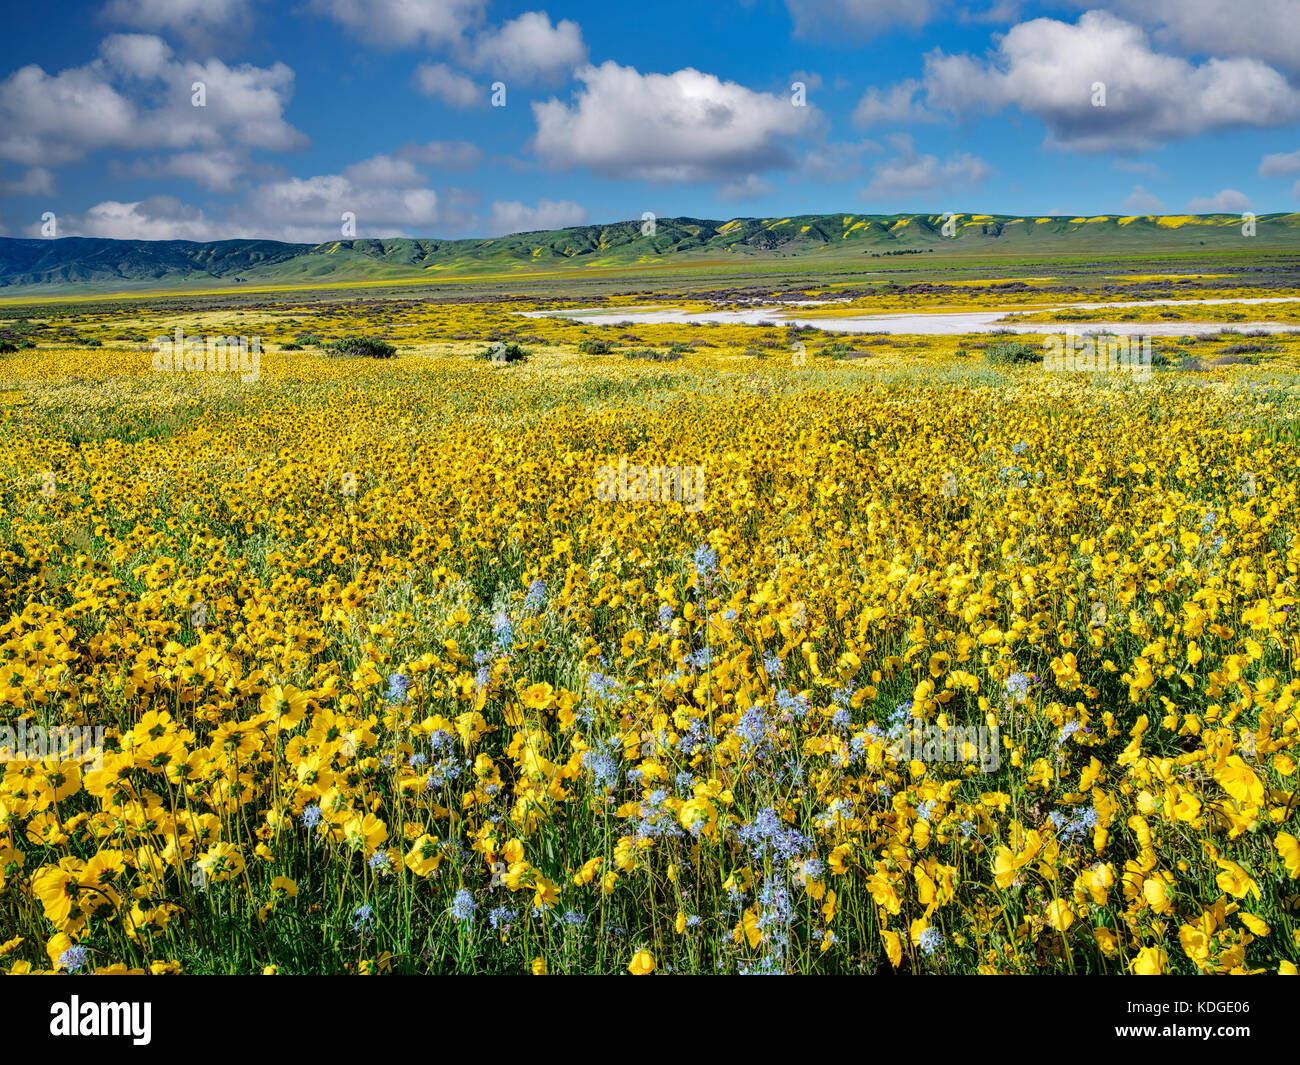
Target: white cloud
{"points": [[218, 170], [1261, 29], [387, 196], [155, 218], [1280, 165], [110, 103], [859, 19], [1048, 69], [404, 23], [1224, 201], [896, 104], [1139, 201], [201, 24], [384, 171], [837, 160], [685, 126], [909, 173], [456, 90], [529, 48], [36, 181], [511, 216]]}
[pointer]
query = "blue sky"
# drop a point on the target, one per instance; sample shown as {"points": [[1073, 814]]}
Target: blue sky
{"points": [[381, 110]]}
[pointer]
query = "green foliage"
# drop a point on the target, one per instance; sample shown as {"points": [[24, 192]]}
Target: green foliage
{"points": [[361, 347], [499, 351], [1013, 353]]}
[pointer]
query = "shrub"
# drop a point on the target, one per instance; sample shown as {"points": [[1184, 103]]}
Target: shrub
{"points": [[291, 346], [595, 347], [1245, 349], [501, 352], [1013, 353], [7, 347], [842, 349], [362, 347]]}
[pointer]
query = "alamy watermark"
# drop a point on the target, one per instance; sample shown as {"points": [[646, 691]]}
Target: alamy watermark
{"points": [[1072, 353], [651, 484], [59, 743], [208, 354], [953, 743]]}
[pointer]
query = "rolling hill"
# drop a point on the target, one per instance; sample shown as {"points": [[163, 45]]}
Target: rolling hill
{"points": [[98, 263]]}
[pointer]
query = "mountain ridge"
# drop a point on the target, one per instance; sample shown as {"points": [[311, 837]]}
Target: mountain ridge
{"points": [[97, 261]]}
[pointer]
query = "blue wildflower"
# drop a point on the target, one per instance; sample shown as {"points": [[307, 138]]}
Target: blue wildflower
{"points": [[463, 906]]}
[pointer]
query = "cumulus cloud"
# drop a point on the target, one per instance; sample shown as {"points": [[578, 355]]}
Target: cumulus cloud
{"points": [[1139, 201], [524, 49], [218, 170], [1280, 165], [155, 218], [909, 172], [135, 96], [512, 216], [387, 196], [897, 104], [1262, 29], [1048, 69], [837, 160], [685, 126], [404, 23], [529, 48], [203, 25], [35, 181], [455, 90], [1228, 201]]}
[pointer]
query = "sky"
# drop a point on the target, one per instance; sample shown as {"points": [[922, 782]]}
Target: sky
{"points": [[316, 120]]}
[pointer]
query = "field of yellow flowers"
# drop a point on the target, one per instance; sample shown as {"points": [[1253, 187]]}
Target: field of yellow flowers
{"points": [[388, 685]]}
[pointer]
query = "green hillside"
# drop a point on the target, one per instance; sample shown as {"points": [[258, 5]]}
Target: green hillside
{"points": [[74, 262]]}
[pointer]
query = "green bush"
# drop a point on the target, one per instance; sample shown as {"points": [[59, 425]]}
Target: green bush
{"points": [[1013, 353], [502, 352], [362, 347], [595, 347]]}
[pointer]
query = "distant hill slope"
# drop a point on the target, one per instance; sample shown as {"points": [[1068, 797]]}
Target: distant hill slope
{"points": [[98, 262]]}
